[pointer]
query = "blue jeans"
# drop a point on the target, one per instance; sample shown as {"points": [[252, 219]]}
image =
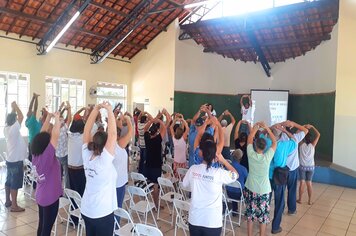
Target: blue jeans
{"points": [[120, 195], [292, 191], [142, 163], [226, 153], [278, 205]]}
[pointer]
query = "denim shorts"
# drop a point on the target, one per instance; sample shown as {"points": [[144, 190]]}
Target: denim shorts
{"points": [[14, 178], [306, 174]]}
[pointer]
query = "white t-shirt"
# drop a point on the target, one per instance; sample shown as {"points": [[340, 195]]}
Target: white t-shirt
{"points": [[206, 186], [141, 132], [99, 198], [293, 159], [180, 148], [62, 146], [75, 143], [306, 154], [15, 144], [227, 133], [120, 163], [246, 113]]}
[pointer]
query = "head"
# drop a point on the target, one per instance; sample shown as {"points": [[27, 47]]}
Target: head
{"points": [[40, 143], [260, 144], [210, 106], [208, 149], [277, 133], [143, 119], [199, 121], [237, 155], [77, 126], [246, 105], [178, 133], [243, 137], [223, 123], [308, 138], [154, 129], [98, 143], [11, 119]]}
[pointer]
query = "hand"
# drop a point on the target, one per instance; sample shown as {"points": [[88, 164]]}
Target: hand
{"points": [[106, 105], [116, 113], [56, 115], [68, 105], [164, 111], [263, 125], [226, 112], [13, 105]]}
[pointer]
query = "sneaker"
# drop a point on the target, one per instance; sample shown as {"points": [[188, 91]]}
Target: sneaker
{"points": [[277, 231], [292, 213]]}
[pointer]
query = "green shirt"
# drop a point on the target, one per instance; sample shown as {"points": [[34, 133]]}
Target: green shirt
{"points": [[257, 179], [34, 127]]}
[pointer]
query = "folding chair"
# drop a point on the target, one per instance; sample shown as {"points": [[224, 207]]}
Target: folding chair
{"points": [[167, 193], [169, 160], [168, 173], [239, 203], [181, 173], [74, 209], [3, 167], [143, 206], [126, 229], [140, 181], [134, 157], [182, 210], [29, 178], [63, 203], [227, 216], [141, 229], [184, 191]]}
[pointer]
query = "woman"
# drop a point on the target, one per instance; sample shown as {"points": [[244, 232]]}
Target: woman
{"points": [[205, 182], [257, 188], [306, 159], [180, 143], [99, 198], [241, 142], [48, 168]]}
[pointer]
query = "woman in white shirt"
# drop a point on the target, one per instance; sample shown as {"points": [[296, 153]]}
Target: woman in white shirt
{"points": [[306, 159], [99, 199], [205, 182], [179, 142]]}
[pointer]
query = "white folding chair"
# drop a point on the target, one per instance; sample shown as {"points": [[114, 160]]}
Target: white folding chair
{"points": [[126, 229], [182, 210], [181, 173], [146, 230], [140, 181], [184, 191], [134, 152], [74, 209], [3, 167], [167, 193], [168, 173], [29, 178], [227, 216], [63, 204], [169, 160], [239, 203], [143, 206]]}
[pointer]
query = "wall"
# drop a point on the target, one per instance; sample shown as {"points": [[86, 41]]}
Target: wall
{"points": [[22, 57], [153, 72], [345, 109]]}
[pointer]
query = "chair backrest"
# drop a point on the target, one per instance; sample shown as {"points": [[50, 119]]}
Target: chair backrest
{"points": [[137, 177], [4, 156], [164, 182], [167, 168], [73, 196], [181, 173], [235, 184], [181, 205], [141, 229], [133, 190], [182, 210], [122, 213]]}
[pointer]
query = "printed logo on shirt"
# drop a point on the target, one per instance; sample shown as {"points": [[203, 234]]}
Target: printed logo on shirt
{"points": [[203, 177], [233, 175], [91, 172]]}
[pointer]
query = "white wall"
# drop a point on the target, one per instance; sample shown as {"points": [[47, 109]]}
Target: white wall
{"points": [[211, 73], [345, 109], [153, 72]]}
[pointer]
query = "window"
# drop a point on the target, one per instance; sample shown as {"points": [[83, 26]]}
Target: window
{"points": [[114, 93], [13, 87], [59, 90]]}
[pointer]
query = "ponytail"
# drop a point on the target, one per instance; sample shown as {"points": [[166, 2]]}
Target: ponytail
{"points": [[209, 152], [98, 143]]}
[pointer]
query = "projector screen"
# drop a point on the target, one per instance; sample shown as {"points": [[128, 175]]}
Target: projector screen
{"points": [[269, 106]]}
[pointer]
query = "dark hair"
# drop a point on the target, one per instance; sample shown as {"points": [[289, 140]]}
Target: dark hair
{"points": [[212, 107], [179, 132], [143, 119], [205, 137], [39, 143], [98, 143], [243, 137], [308, 138], [208, 148], [11, 119], [154, 128], [261, 143], [77, 126]]}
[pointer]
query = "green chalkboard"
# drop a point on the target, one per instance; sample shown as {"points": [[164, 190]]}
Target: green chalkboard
{"points": [[316, 109]]}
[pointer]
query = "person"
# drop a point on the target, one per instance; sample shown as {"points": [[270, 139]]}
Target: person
{"points": [[99, 199], [121, 161], [257, 188], [227, 132], [154, 132], [232, 192], [293, 164], [196, 122], [48, 172], [306, 169], [205, 182], [241, 142], [143, 118], [211, 108], [279, 173], [16, 152], [179, 142], [62, 148], [33, 125], [246, 112], [136, 113]]}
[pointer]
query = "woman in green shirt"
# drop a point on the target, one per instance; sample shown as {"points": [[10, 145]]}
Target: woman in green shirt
{"points": [[257, 187]]}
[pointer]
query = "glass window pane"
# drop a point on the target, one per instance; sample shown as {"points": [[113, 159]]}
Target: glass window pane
{"points": [[12, 85]]}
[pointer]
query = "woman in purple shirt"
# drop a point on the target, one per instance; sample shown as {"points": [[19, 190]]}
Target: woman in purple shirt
{"points": [[48, 168]]}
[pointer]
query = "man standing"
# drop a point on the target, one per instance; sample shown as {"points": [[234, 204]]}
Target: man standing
{"points": [[16, 152], [227, 132]]}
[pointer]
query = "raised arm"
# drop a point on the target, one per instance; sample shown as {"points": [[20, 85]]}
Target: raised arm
{"points": [[196, 116], [232, 118], [241, 100], [172, 125], [200, 133], [45, 125], [148, 125], [186, 128], [55, 130], [112, 132], [123, 141], [249, 100], [316, 140], [89, 124], [16, 109], [168, 117], [237, 129], [297, 126], [251, 136], [162, 128], [69, 114], [221, 116], [227, 165], [220, 131], [270, 134]]}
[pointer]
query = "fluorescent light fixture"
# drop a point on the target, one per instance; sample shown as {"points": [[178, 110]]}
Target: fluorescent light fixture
{"points": [[198, 4], [65, 28], [113, 48]]}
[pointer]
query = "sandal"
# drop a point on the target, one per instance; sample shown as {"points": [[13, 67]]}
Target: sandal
{"points": [[17, 209]]}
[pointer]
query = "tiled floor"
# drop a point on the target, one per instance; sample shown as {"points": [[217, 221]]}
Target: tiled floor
{"points": [[333, 213]]}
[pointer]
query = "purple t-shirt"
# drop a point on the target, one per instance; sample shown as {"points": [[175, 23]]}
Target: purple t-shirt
{"points": [[49, 183]]}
